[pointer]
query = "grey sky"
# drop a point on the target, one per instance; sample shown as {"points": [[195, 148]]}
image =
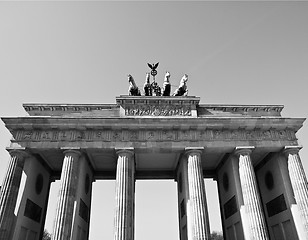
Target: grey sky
{"points": [[81, 52]]}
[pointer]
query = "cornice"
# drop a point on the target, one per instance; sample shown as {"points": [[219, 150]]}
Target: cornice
{"points": [[26, 123], [90, 107]]}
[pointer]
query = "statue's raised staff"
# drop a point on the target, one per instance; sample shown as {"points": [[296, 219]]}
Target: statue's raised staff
{"points": [[156, 91], [147, 86], [133, 89], [182, 89], [167, 86], [153, 67]]}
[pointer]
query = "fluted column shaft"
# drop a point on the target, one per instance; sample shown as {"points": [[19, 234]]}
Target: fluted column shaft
{"points": [[299, 183], [67, 196], [198, 213], [251, 197], [125, 196], [9, 192]]}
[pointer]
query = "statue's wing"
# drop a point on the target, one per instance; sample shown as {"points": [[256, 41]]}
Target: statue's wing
{"points": [[150, 65], [156, 65]]}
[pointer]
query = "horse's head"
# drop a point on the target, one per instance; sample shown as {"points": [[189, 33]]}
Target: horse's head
{"points": [[147, 78], [184, 79], [167, 76], [130, 78], [131, 81]]}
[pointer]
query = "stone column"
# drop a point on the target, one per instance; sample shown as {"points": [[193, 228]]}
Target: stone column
{"points": [[197, 215], [251, 197], [299, 183], [125, 196], [67, 196], [9, 192]]}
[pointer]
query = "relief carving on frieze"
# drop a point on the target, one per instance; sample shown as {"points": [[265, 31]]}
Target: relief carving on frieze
{"points": [[157, 110], [107, 135]]}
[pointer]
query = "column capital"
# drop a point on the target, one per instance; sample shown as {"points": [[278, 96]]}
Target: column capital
{"points": [[19, 152], [243, 150], [68, 150], [291, 150], [194, 150], [129, 150]]}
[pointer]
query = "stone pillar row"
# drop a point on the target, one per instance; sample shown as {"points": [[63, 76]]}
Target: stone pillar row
{"points": [[197, 215]]}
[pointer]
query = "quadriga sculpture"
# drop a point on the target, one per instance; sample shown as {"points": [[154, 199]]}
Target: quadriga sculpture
{"points": [[133, 89], [182, 89], [167, 86]]}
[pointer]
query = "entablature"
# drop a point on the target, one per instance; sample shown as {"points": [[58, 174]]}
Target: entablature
{"points": [[159, 129]]}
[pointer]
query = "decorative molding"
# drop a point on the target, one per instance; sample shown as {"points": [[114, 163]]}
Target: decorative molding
{"points": [[170, 100], [108, 135], [153, 106], [243, 108], [158, 106], [67, 107], [76, 107], [157, 110]]}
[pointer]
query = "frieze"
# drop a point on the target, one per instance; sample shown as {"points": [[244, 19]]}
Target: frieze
{"points": [[245, 108], [157, 110], [67, 108], [107, 135]]}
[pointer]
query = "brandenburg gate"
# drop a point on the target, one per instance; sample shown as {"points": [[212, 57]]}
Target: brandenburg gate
{"points": [[250, 150]]}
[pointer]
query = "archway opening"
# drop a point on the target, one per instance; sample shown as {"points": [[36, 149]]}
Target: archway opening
{"points": [[52, 206], [102, 210], [156, 210], [213, 207]]}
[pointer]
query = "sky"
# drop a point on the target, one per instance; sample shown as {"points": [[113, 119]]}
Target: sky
{"points": [[81, 52]]}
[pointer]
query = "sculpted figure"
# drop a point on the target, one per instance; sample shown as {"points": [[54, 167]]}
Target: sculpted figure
{"points": [[147, 86], [133, 89], [182, 89], [166, 86], [155, 89]]}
